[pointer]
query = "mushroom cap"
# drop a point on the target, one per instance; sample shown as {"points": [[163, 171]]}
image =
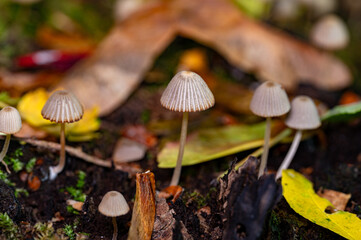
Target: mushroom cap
{"points": [[303, 114], [270, 100], [330, 33], [187, 92], [62, 107], [10, 120], [113, 204]]}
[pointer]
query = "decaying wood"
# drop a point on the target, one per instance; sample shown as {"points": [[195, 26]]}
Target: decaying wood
{"points": [[116, 69], [77, 152], [165, 223], [144, 207]]}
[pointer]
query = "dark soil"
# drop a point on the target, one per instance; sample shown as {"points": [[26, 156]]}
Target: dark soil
{"points": [[333, 154]]}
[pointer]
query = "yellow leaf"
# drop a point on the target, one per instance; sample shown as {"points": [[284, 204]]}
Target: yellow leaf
{"points": [[300, 195], [30, 106]]}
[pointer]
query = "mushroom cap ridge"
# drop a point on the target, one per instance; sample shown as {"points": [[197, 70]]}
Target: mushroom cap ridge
{"points": [[113, 204], [10, 120], [187, 92], [62, 107], [303, 114], [270, 100]]}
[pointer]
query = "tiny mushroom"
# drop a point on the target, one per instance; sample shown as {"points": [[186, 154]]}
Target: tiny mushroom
{"points": [[303, 116], [269, 100], [10, 123], [113, 205], [62, 107], [186, 92], [330, 33]]}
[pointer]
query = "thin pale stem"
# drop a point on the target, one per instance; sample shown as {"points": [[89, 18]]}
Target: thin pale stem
{"points": [[267, 136], [115, 233], [4, 151], [291, 153], [182, 141], [58, 168]]}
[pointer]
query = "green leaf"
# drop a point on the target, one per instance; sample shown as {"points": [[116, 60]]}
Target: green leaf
{"points": [[253, 8], [300, 195], [343, 113], [209, 144]]}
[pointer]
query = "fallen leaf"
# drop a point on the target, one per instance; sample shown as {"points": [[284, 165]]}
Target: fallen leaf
{"points": [[75, 204], [30, 106], [122, 59], [171, 191], [144, 207], [342, 113], [301, 197], [140, 134], [349, 97], [210, 144], [128, 151], [338, 199]]}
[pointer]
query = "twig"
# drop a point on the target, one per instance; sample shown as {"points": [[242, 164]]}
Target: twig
{"points": [[77, 152]]}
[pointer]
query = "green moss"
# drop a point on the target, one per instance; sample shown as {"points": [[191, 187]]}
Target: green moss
{"points": [[9, 229]]}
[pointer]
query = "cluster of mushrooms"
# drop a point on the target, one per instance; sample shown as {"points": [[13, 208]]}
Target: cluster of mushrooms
{"points": [[270, 100], [186, 92]]}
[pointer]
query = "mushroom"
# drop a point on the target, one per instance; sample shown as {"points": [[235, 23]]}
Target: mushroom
{"points": [[113, 205], [269, 100], [330, 33], [10, 123], [62, 107], [186, 92], [303, 116]]}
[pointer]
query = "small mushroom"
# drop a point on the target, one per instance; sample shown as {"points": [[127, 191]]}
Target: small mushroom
{"points": [[330, 33], [303, 116], [186, 92], [269, 100], [62, 107], [113, 205], [10, 123]]}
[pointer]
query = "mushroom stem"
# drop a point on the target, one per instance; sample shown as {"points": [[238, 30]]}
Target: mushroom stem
{"points": [[291, 153], [115, 233], [267, 135], [58, 168], [182, 141], [4, 151]]}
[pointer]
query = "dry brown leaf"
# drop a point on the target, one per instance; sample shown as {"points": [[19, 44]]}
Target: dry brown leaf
{"points": [[122, 59], [144, 207], [338, 199]]}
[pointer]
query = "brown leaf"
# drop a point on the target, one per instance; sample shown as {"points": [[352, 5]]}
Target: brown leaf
{"points": [[122, 59], [338, 199], [144, 207]]}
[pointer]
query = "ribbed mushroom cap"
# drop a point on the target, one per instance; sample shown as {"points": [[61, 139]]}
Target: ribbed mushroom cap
{"points": [[113, 204], [62, 107], [303, 115], [187, 92], [270, 100], [10, 120], [330, 33]]}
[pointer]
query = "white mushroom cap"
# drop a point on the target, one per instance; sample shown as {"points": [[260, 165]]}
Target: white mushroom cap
{"points": [[270, 100], [187, 92], [330, 33], [303, 115], [62, 107], [10, 120], [113, 204]]}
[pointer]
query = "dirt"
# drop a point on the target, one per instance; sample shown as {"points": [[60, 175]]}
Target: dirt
{"points": [[332, 154]]}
